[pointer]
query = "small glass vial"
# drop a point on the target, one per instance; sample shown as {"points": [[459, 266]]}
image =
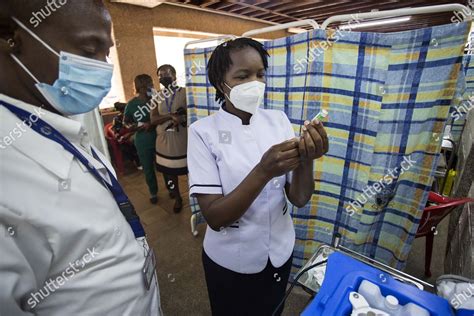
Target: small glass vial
{"points": [[321, 115]]}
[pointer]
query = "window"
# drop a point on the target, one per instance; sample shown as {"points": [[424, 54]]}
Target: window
{"points": [[169, 47]]}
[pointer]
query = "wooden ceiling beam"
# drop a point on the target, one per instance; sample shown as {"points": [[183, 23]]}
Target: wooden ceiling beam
{"points": [[332, 9], [283, 7], [281, 20], [259, 16], [208, 3], [237, 9], [269, 17], [272, 4], [249, 12], [225, 4]]}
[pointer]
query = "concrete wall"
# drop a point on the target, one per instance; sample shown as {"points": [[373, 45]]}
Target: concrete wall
{"points": [[133, 30]]}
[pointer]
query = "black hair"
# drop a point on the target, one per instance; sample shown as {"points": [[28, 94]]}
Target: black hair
{"points": [[120, 106], [220, 61], [162, 67], [143, 80]]}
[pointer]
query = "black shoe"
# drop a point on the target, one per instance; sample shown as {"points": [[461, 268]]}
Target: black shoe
{"points": [[172, 195], [154, 200], [178, 205]]}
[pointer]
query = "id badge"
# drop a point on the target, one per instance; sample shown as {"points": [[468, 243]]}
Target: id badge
{"points": [[149, 268]]}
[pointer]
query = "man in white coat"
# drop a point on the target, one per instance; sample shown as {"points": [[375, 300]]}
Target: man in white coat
{"points": [[70, 242]]}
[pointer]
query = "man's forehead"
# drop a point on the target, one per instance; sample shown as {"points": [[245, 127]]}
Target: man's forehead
{"points": [[85, 20], [28, 7], [71, 13], [166, 71]]}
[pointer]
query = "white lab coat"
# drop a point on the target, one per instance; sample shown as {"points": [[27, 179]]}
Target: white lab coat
{"points": [[65, 247]]}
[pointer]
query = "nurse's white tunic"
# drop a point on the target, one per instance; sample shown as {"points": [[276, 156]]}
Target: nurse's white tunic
{"points": [[221, 153]]}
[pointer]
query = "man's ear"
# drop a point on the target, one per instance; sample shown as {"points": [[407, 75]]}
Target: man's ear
{"points": [[10, 45], [9, 41]]}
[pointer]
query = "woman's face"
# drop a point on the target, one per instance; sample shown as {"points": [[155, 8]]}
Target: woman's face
{"points": [[247, 65]]}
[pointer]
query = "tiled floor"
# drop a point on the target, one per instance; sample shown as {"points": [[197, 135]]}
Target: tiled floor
{"points": [[180, 273]]}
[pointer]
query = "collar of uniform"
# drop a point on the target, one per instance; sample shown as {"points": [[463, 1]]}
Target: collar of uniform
{"points": [[49, 154], [234, 118]]}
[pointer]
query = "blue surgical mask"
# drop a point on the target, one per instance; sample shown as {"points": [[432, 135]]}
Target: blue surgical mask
{"points": [[82, 82]]}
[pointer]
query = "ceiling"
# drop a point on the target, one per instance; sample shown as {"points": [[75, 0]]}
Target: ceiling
{"points": [[278, 12]]}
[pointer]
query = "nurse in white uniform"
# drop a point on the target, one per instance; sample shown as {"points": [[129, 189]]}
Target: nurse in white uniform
{"points": [[244, 162], [70, 242]]}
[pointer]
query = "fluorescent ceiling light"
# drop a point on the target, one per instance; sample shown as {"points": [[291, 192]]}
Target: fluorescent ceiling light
{"points": [[141, 3], [355, 25]]}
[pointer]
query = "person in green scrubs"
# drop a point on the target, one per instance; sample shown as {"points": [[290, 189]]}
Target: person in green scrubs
{"points": [[137, 114]]}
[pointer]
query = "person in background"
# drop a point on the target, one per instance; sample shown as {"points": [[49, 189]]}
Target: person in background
{"points": [[137, 119], [117, 121], [170, 117], [123, 136], [244, 162], [68, 244]]}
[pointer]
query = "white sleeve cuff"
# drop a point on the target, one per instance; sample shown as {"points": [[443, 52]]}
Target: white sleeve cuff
{"points": [[205, 189]]}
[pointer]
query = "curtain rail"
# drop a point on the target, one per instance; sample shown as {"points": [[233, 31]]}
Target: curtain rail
{"points": [[217, 38], [279, 27]]}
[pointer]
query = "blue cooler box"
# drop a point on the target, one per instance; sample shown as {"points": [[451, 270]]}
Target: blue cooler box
{"points": [[344, 275]]}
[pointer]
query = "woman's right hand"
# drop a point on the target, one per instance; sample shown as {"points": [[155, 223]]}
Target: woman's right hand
{"points": [[280, 159], [175, 119]]}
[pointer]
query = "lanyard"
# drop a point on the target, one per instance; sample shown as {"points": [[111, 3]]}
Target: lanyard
{"points": [[46, 130], [170, 105]]}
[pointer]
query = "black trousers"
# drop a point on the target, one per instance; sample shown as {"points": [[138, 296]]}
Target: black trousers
{"points": [[232, 293]]}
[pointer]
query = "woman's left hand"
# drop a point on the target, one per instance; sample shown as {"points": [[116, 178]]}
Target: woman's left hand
{"points": [[314, 141]]}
